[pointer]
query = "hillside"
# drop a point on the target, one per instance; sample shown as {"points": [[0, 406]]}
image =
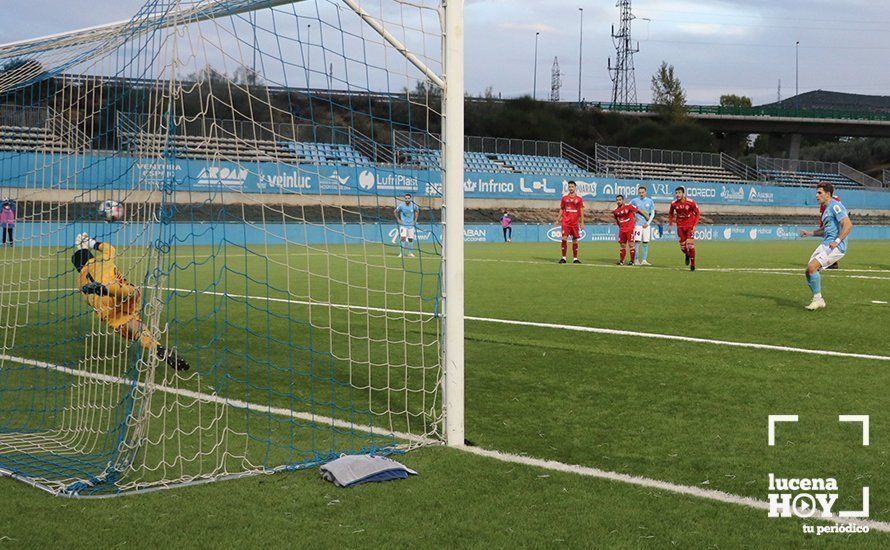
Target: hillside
{"points": [[836, 101]]}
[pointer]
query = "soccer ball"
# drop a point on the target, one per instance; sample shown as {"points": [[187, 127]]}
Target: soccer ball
{"points": [[112, 211]]}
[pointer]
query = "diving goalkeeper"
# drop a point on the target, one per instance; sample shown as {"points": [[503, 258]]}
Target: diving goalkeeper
{"points": [[116, 301]]}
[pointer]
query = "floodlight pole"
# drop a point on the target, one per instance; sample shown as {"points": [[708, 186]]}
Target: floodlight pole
{"points": [[580, 52], [453, 221], [535, 78], [797, 73]]}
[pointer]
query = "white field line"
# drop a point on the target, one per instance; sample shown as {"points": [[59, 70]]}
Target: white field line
{"points": [[795, 271], [675, 337], [754, 270], [689, 490], [587, 471], [209, 398], [573, 328]]}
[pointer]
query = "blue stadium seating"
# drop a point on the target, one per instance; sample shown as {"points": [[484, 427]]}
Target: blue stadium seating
{"points": [[808, 178], [431, 158], [326, 153], [491, 162], [540, 165]]}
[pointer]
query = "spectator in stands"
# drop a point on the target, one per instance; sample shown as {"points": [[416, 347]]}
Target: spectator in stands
{"points": [[507, 226], [7, 221]]}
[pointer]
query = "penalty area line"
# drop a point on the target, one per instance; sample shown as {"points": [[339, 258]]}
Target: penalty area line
{"points": [[786, 271], [692, 339], [574, 328], [688, 490]]}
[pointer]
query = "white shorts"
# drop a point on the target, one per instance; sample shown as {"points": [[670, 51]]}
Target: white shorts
{"points": [[406, 232], [826, 256], [642, 234]]}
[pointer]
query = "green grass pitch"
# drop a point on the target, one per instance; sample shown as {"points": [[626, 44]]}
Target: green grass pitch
{"points": [[689, 413]]}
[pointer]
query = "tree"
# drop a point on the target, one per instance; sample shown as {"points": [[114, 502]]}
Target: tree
{"points": [[732, 100], [16, 71], [247, 76], [667, 93], [208, 74]]}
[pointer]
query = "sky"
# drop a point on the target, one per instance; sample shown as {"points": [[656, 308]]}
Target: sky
{"points": [[716, 46]]}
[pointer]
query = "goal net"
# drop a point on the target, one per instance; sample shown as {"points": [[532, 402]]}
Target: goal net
{"points": [[205, 277]]}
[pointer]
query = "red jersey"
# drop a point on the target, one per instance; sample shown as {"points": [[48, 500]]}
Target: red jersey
{"points": [[571, 209], [624, 215], [687, 213]]}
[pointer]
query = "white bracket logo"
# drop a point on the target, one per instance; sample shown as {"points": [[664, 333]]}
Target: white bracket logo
{"points": [[800, 497]]}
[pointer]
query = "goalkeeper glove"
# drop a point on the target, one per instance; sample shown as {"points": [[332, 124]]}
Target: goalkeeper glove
{"points": [[95, 288], [84, 241]]}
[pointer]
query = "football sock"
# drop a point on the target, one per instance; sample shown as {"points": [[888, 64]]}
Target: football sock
{"points": [[815, 283], [410, 247], [644, 251], [575, 249], [146, 340], [690, 251], [622, 254], [683, 248], [633, 255], [564, 247]]}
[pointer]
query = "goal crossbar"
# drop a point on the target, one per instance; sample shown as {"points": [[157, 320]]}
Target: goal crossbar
{"points": [[205, 11]]}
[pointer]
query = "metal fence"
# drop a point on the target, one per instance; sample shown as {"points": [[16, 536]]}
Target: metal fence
{"points": [[19, 115], [767, 165], [658, 156], [748, 111], [508, 146]]}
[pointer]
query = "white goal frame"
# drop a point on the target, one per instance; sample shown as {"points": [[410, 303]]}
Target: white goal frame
{"points": [[452, 86]]}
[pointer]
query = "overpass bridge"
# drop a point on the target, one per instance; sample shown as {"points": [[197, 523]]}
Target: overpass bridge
{"points": [[767, 120], [770, 120]]}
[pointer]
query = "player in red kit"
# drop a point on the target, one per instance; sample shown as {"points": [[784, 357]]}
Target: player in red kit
{"points": [[626, 220], [571, 218], [687, 215]]}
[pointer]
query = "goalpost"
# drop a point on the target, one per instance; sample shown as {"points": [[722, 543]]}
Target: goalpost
{"points": [[240, 162]]}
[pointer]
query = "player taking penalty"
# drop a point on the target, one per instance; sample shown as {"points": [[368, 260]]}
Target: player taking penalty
{"points": [[687, 216], [571, 219], [822, 207], [835, 227], [625, 217], [116, 301]]}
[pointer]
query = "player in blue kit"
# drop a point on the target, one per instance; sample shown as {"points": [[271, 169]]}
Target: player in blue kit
{"points": [[643, 227], [836, 227], [406, 216]]}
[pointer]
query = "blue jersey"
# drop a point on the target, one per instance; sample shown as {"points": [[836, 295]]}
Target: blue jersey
{"points": [[647, 205], [408, 213], [831, 223]]}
